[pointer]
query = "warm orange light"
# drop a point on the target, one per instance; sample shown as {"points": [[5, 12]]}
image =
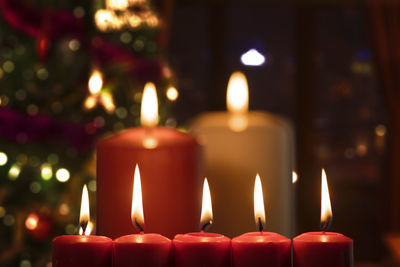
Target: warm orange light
{"points": [[31, 221], [172, 93], [259, 210], [107, 101], [326, 209], [95, 82], [90, 102], [137, 202], [84, 217], [206, 207], [149, 109], [295, 177], [237, 95]]}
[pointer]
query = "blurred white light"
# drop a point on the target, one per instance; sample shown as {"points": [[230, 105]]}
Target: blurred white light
{"points": [[3, 158], [252, 58], [62, 175]]}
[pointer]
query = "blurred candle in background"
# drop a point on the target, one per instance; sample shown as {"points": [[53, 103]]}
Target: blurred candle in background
{"points": [[316, 249], [261, 248], [237, 144], [170, 160]]}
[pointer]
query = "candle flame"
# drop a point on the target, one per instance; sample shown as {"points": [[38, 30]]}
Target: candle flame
{"points": [[88, 230], [206, 207], [237, 95], [326, 209], [95, 82], [149, 110], [84, 217], [137, 202], [259, 210]]}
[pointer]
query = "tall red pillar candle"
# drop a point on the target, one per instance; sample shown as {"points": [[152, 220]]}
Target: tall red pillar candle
{"points": [[82, 250], [323, 248], [202, 249], [141, 250], [261, 248], [170, 160]]}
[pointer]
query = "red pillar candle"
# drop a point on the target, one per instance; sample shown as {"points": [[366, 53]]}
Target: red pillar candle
{"points": [[261, 248], [323, 248], [202, 249], [141, 250], [170, 161], [82, 250]]}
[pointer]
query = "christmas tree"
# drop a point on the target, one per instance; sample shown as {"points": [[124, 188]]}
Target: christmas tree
{"points": [[71, 72]]}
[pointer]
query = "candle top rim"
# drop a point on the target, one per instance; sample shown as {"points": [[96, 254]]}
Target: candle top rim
{"points": [[315, 236], [200, 237], [82, 239], [261, 237], [212, 118], [134, 136], [145, 238]]}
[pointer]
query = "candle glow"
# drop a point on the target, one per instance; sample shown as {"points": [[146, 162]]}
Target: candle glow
{"points": [[206, 207], [84, 217], [237, 95], [237, 101], [326, 209], [259, 209], [137, 202], [149, 109]]}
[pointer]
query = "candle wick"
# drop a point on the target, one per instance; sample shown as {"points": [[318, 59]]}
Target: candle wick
{"points": [[326, 224], [260, 225], [84, 225], [138, 226], [203, 228]]}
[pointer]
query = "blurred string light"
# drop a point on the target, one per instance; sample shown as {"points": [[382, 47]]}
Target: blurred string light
{"points": [[3, 158], [97, 95], [252, 58], [32, 221], [172, 93], [14, 171], [46, 171], [380, 130], [62, 175], [118, 15]]}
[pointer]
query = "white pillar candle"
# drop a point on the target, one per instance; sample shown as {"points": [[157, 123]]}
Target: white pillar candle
{"points": [[239, 144]]}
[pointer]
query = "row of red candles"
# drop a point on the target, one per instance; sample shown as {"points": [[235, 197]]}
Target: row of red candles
{"points": [[313, 249]]}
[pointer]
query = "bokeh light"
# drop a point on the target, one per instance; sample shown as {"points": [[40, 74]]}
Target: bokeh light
{"points": [[62, 175]]}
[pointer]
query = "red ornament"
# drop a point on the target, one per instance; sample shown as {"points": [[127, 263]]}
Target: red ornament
{"points": [[38, 226]]}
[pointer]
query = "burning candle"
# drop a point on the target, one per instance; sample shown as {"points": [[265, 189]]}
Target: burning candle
{"points": [[261, 248], [84, 249], [202, 249], [170, 161], [323, 248], [141, 249], [237, 144]]}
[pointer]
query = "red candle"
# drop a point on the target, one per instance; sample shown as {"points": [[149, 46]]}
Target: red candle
{"points": [[82, 250], [170, 161], [202, 249], [326, 249], [141, 249], [261, 248]]}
